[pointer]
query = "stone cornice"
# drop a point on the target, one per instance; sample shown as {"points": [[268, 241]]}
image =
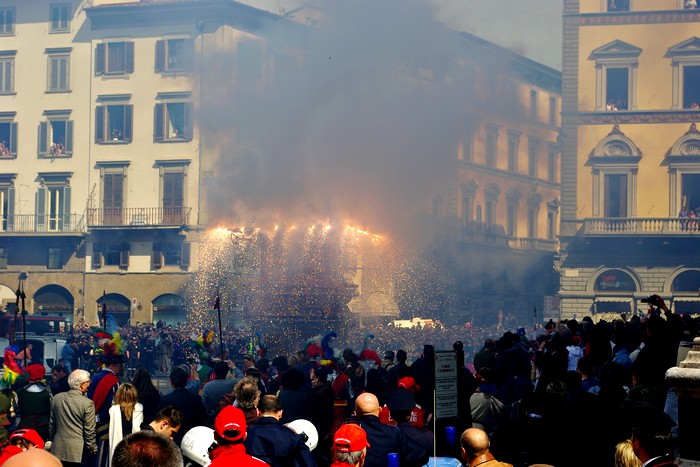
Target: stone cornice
{"points": [[625, 117], [634, 17]]}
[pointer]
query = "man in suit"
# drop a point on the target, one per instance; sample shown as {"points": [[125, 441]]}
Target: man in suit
{"points": [[72, 426], [652, 442], [190, 405]]}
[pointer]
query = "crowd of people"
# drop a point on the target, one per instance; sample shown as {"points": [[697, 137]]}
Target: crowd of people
{"points": [[571, 393]]}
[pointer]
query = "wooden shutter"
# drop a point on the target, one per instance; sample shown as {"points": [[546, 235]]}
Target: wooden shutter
{"points": [[41, 209], [11, 209], [13, 138], [188, 108], [157, 257], [128, 122], [185, 254], [159, 123], [97, 253], [69, 137], [100, 58], [160, 56], [129, 57], [43, 138], [124, 256], [64, 223], [100, 124]]}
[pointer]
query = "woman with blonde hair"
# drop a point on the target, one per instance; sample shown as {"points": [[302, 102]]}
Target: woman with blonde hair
{"points": [[624, 455], [125, 416]]}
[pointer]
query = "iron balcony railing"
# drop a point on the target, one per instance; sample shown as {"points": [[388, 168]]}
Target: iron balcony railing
{"points": [[40, 223], [641, 226], [106, 217]]}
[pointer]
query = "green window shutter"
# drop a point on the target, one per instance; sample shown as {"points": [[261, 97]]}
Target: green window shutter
{"points": [[11, 209], [69, 137], [158, 123], [185, 255], [97, 252], [64, 220], [41, 209], [128, 122], [43, 138], [160, 56], [188, 120], [100, 58], [13, 138], [129, 58], [99, 124], [124, 256], [157, 257]]}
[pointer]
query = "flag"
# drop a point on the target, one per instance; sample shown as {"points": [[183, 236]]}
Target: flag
{"points": [[216, 303], [534, 319]]}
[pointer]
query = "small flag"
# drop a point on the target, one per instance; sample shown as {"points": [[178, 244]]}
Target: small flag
{"points": [[217, 303]]}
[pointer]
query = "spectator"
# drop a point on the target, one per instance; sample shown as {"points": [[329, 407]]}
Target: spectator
{"points": [[229, 434], [216, 389], [245, 396], [25, 354], [475, 449], [33, 458], [145, 449], [651, 435], [148, 395], [73, 422], [103, 387], [59, 380], [133, 356], [20, 441], [401, 405], [273, 442], [292, 397], [68, 354], [349, 446], [624, 455], [34, 401], [125, 415], [190, 405], [166, 422]]}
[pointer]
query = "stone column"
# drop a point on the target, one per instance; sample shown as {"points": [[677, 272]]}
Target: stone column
{"points": [[685, 380]]}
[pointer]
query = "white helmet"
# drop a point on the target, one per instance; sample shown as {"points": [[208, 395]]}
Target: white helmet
{"points": [[306, 430], [197, 443]]}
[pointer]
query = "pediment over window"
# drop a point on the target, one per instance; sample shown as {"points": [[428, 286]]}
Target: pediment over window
{"points": [[616, 147], [492, 191], [687, 145], [615, 49], [470, 187], [687, 48]]}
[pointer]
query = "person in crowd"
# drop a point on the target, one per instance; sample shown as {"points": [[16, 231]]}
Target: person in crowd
{"points": [[349, 446], [6, 403], [486, 357], [73, 422], [474, 446], [292, 397], [229, 435], [148, 395], [148, 352], [190, 405], [125, 415], [103, 387], [34, 401], [273, 442], [147, 449], [245, 396], [651, 437], [384, 439], [68, 354], [165, 347], [59, 379], [320, 407], [24, 357], [398, 371], [33, 458], [401, 405], [216, 389], [133, 356], [20, 441], [624, 455], [166, 421]]}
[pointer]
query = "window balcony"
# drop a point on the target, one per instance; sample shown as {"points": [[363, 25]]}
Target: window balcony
{"points": [[138, 217], [43, 223], [528, 243], [650, 226]]}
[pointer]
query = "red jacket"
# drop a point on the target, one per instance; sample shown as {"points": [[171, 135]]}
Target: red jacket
{"points": [[9, 451], [418, 418], [234, 454]]}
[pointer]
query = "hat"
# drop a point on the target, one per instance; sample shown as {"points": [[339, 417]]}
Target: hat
{"points": [[112, 359], [409, 384], [389, 355], [35, 372], [30, 435], [350, 438], [230, 424], [400, 400]]}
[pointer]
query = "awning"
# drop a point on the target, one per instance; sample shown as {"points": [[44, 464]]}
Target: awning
{"points": [[614, 299], [686, 299]]}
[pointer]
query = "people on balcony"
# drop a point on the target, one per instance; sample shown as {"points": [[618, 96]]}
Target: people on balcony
{"points": [[690, 4]]}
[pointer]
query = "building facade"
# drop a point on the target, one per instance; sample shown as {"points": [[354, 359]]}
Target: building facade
{"points": [[630, 173]]}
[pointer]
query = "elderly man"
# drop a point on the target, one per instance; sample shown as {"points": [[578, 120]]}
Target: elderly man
{"points": [[33, 458], [73, 422], [475, 449], [349, 446], [146, 449], [384, 439]]}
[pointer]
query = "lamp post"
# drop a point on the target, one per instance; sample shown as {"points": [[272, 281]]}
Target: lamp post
{"points": [[20, 306]]}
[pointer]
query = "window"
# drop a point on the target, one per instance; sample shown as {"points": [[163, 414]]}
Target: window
{"points": [[173, 55], [552, 214], [7, 203], [553, 110], [533, 103], [8, 137], [113, 195], [513, 197], [468, 194], [532, 213], [53, 204], [113, 123], [114, 58], [7, 72], [116, 255], [491, 194], [173, 121], [618, 5], [3, 258], [173, 179], [552, 163], [616, 76], [55, 259], [684, 172], [56, 136], [60, 15], [7, 21], [58, 79], [691, 87], [513, 143], [170, 254], [533, 149], [491, 145]]}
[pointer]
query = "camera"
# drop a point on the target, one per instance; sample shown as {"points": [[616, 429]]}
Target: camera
{"points": [[652, 300]]}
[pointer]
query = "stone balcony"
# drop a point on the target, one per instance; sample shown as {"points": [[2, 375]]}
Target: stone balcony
{"points": [[649, 226]]}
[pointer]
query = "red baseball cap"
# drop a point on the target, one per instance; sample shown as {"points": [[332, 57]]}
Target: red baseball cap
{"points": [[409, 384], [350, 438], [30, 435], [230, 424]]}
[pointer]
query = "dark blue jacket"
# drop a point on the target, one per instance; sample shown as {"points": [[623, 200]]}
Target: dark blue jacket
{"points": [[385, 439], [277, 445], [193, 412]]}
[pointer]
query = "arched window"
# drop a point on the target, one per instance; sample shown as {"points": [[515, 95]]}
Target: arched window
{"points": [[688, 281], [614, 280]]}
